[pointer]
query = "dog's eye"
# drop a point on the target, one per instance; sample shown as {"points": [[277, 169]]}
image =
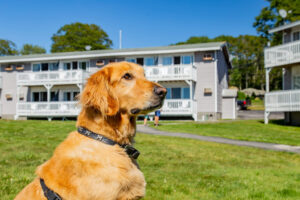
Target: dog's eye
{"points": [[127, 76]]}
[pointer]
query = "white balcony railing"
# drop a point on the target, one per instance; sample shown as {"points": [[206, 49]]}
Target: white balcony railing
{"points": [[282, 101], [282, 54], [177, 107], [48, 109], [57, 77], [64, 109], [168, 73]]}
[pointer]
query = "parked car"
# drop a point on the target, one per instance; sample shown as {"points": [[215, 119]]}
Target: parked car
{"points": [[243, 104]]}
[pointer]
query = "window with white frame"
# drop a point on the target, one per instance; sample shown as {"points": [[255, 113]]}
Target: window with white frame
{"points": [[37, 67], [296, 36], [186, 60], [178, 93], [39, 96], [70, 95], [167, 60], [74, 65], [151, 61], [133, 60], [296, 77]]}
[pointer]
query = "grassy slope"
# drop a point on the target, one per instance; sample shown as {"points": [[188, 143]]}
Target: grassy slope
{"points": [[250, 130], [174, 168]]}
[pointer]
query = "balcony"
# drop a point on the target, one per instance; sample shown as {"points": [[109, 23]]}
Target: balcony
{"points": [[173, 107], [171, 73], [282, 101], [68, 109], [52, 77], [48, 109], [282, 55]]}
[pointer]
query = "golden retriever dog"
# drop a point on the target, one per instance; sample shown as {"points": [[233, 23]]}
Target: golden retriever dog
{"points": [[83, 168]]}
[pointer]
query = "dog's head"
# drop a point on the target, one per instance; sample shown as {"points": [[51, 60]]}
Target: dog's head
{"points": [[122, 87]]}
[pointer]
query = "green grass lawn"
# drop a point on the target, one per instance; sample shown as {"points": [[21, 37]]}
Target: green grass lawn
{"points": [[174, 168], [250, 130], [257, 104]]}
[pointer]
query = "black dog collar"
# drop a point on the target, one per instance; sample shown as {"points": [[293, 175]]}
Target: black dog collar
{"points": [[130, 150], [49, 194]]}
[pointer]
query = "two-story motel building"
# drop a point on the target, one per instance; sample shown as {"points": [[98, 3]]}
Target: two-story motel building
{"points": [[45, 85], [287, 57]]}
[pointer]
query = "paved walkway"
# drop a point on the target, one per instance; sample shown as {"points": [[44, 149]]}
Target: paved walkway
{"points": [[262, 145]]}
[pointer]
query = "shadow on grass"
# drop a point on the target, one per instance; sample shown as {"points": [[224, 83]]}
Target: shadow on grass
{"points": [[279, 122]]}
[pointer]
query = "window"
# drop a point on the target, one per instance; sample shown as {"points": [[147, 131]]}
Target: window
{"points": [[67, 96], [151, 61], [176, 93], [286, 37], [186, 60], [207, 56], [177, 60], [296, 36], [35, 96], [167, 61], [296, 82], [131, 60], [39, 96], [43, 96], [168, 93], [67, 66], [75, 95], [45, 66], [53, 66], [140, 61], [75, 65], [83, 65], [54, 96], [186, 93], [36, 67]]}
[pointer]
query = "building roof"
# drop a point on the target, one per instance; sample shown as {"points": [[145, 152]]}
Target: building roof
{"points": [[284, 27], [117, 52]]}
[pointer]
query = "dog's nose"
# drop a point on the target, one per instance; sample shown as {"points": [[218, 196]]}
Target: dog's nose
{"points": [[160, 91]]}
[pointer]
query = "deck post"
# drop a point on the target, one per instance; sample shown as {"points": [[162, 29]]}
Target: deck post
{"points": [[48, 87], [267, 114]]}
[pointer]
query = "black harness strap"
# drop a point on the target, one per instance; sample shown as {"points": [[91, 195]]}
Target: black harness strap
{"points": [[130, 150], [49, 194]]}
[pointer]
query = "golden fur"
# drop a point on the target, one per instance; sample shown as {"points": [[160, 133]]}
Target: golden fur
{"points": [[85, 169]]}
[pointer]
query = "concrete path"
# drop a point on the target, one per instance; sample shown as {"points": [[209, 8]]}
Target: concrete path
{"points": [[262, 145]]}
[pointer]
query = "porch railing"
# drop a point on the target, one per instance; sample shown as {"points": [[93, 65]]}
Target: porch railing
{"points": [[46, 109], [177, 107], [57, 77], [282, 101], [180, 72], [282, 54], [60, 109]]}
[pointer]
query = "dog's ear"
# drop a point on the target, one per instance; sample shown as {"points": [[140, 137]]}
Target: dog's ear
{"points": [[99, 95]]}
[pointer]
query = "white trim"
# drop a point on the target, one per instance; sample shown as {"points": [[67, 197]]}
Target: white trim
{"points": [[216, 83], [110, 54]]}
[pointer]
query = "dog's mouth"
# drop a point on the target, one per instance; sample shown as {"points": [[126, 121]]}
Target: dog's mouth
{"points": [[147, 109]]}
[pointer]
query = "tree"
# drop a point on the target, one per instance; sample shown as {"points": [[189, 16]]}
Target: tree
{"points": [[269, 17], [76, 36], [32, 49], [7, 48], [247, 58]]}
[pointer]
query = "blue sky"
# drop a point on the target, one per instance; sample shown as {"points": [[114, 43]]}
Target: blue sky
{"points": [[144, 23]]}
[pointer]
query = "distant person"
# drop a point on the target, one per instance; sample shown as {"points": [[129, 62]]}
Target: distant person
{"points": [[146, 119], [156, 118]]}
